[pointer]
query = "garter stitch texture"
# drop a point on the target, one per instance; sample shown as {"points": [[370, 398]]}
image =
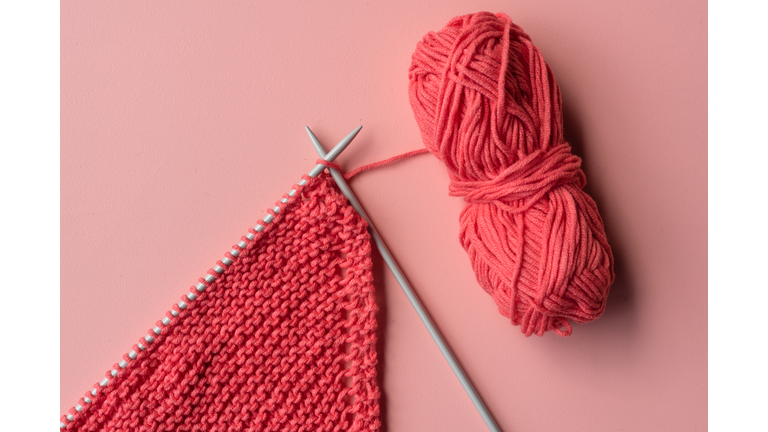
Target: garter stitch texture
{"points": [[489, 108], [283, 340]]}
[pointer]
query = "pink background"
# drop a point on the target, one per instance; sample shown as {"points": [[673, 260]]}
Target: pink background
{"points": [[182, 122]]}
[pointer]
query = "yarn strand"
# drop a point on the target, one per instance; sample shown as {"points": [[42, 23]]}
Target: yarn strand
{"points": [[357, 171]]}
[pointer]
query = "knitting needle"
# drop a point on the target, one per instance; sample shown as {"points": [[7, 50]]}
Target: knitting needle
{"points": [[211, 276], [395, 269]]}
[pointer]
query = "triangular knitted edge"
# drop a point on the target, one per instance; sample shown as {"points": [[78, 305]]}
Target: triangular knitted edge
{"points": [[366, 392]]}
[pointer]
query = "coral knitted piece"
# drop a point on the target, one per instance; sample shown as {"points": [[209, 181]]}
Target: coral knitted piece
{"points": [[489, 108], [283, 340]]}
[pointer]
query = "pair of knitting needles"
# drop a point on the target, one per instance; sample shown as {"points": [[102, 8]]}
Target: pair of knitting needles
{"points": [[393, 267]]}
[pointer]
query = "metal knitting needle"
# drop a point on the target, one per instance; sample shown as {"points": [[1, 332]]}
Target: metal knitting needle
{"points": [[330, 157], [333, 154], [395, 269], [210, 277]]}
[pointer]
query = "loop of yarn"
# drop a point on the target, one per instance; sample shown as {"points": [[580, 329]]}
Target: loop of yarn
{"points": [[488, 106], [328, 164]]}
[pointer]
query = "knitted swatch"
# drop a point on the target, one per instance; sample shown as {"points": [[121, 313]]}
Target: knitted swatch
{"points": [[488, 106], [283, 340]]}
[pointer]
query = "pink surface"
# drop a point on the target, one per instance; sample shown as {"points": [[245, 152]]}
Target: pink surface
{"points": [[183, 122]]}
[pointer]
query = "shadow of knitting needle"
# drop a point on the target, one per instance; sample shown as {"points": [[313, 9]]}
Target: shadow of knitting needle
{"points": [[415, 302]]}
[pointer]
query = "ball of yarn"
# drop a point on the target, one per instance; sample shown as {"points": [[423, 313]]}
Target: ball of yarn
{"points": [[488, 106]]}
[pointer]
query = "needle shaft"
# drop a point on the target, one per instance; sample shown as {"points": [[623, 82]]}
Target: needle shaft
{"points": [[409, 293]]}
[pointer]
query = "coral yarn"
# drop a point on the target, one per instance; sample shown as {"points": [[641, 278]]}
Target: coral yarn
{"points": [[283, 340], [489, 108]]}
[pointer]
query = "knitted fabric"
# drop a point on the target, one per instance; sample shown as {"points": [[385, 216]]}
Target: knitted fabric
{"points": [[283, 340]]}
